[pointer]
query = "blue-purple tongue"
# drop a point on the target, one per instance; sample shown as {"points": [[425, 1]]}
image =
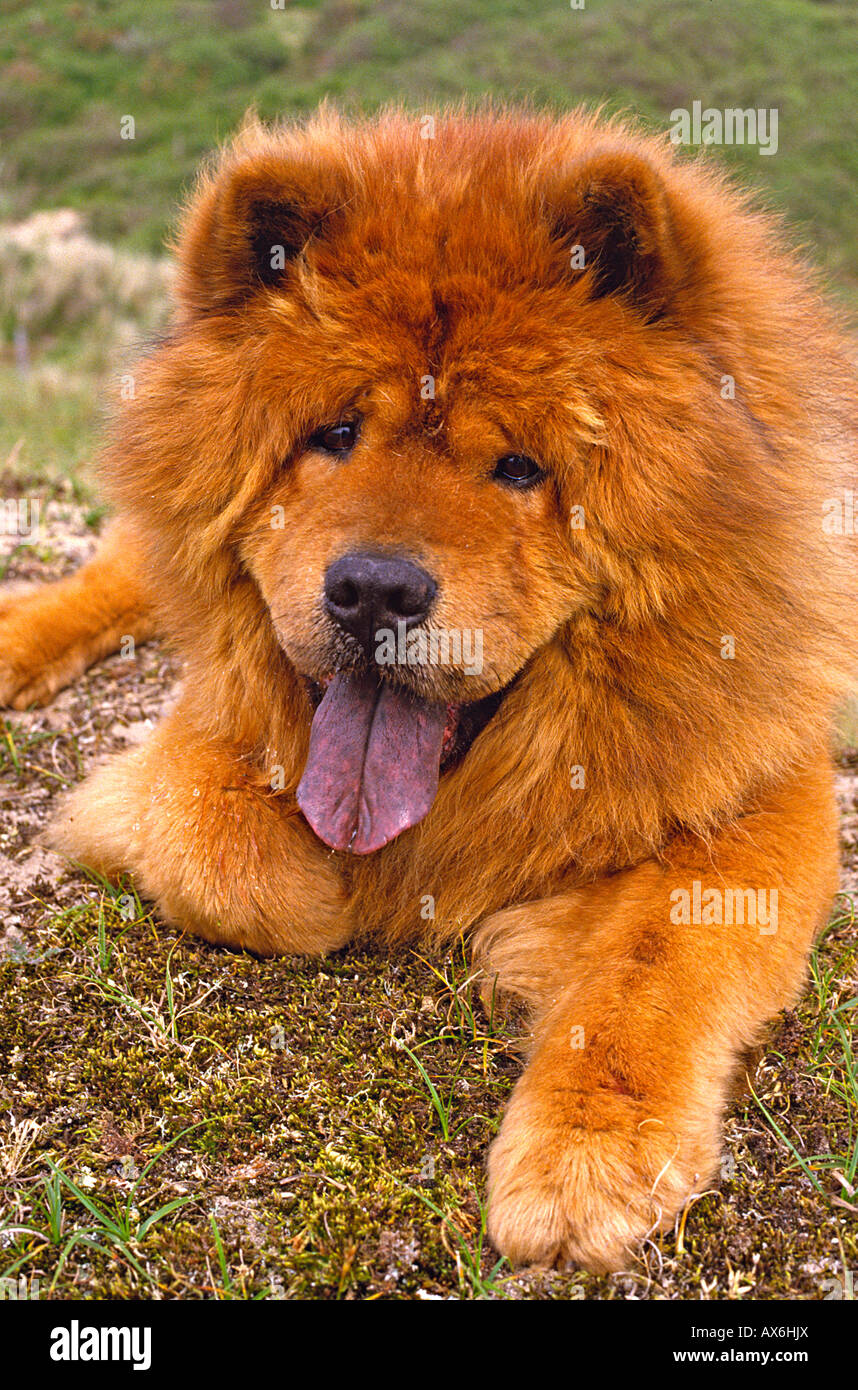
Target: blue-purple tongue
{"points": [[373, 766]]}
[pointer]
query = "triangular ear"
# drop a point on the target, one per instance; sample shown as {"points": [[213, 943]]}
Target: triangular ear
{"points": [[614, 207], [250, 221]]}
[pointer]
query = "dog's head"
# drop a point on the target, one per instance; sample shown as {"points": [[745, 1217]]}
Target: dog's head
{"points": [[452, 393]]}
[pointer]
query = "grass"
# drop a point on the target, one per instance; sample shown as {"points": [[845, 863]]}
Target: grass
{"points": [[297, 1142], [469, 1254], [187, 70], [831, 1063], [117, 1230], [82, 310], [319, 1129], [182, 1122], [269, 1134]]}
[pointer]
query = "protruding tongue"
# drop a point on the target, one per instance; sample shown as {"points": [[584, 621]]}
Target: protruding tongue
{"points": [[372, 771]]}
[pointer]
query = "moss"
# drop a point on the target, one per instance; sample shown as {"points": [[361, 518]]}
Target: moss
{"points": [[312, 1140], [284, 1100]]}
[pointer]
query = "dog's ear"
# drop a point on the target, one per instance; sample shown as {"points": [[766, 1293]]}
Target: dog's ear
{"points": [[249, 223], [612, 214]]}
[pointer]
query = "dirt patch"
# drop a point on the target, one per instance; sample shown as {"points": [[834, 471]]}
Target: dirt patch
{"points": [[846, 785]]}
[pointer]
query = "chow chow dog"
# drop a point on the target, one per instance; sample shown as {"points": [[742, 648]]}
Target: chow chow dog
{"points": [[487, 484]]}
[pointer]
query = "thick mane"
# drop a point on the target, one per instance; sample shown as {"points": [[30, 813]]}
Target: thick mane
{"points": [[714, 433]]}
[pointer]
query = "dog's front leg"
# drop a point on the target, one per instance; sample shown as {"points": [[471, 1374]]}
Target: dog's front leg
{"points": [[645, 997], [51, 634], [204, 837]]}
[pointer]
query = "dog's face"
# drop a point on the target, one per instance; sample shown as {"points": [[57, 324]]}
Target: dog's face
{"points": [[422, 537], [416, 336], [414, 554]]}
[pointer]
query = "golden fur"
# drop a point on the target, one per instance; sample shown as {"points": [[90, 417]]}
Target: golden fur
{"points": [[699, 522]]}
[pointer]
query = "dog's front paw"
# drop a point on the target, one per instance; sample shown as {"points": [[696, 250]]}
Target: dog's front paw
{"points": [[26, 677], [41, 649], [581, 1177]]}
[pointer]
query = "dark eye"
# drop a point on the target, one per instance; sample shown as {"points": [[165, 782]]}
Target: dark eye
{"points": [[336, 439], [518, 471]]}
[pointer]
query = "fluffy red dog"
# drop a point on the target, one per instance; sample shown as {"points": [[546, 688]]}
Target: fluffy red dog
{"points": [[487, 484]]}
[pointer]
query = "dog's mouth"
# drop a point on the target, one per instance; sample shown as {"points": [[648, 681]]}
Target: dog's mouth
{"points": [[377, 752]]}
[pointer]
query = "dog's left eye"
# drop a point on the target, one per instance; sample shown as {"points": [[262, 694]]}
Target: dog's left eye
{"points": [[518, 471], [336, 439]]}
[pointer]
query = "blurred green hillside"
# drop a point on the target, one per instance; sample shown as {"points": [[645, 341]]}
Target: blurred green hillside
{"points": [[186, 71]]}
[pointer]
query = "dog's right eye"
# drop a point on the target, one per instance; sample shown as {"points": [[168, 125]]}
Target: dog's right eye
{"points": [[335, 439], [518, 471]]}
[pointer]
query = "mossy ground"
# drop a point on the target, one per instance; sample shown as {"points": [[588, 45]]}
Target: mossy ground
{"points": [[280, 1103]]}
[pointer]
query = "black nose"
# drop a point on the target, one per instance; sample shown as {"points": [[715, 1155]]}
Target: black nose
{"points": [[365, 593]]}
